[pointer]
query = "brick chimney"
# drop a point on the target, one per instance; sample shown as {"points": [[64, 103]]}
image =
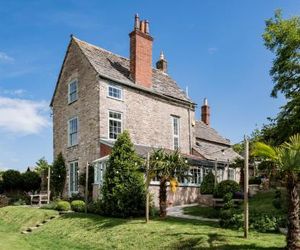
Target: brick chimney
{"points": [[162, 63], [141, 53], [205, 113]]}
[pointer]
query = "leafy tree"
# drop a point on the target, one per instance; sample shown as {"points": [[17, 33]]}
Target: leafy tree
{"points": [[123, 191], [12, 180], [31, 181], [208, 184], [58, 175], [41, 166], [287, 159], [282, 37], [167, 168]]}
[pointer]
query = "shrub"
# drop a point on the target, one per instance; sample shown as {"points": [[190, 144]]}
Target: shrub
{"points": [[51, 206], [19, 202], [227, 186], [31, 181], [75, 197], [255, 180], [12, 180], [58, 175], [95, 207], [19, 199], [4, 201], [78, 205], [207, 186], [265, 223], [123, 191], [63, 206]]}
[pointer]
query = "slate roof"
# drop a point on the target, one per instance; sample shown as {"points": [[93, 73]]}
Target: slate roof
{"points": [[116, 68], [206, 133]]}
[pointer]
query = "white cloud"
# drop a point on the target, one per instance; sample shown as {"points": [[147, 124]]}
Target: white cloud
{"points": [[14, 92], [212, 50], [22, 116], [4, 58]]}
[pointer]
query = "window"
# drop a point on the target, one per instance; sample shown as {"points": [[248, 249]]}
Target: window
{"points": [[115, 124], [115, 92], [175, 124], [196, 177], [73, 96], [99, 172], [231, 174], [73, 132], [73, 177]]}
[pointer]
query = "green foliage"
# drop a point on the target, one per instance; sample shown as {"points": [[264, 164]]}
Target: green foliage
{"points": [[123, 191], [78, 205], [95, 207], [208, 184], [63, 206], [58, 175], [50, 206], [225, 187], [41, 166], [31, 181], [264, 223], [12, 180], [255, 180]]}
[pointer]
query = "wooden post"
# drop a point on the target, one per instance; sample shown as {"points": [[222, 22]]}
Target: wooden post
{"points": [[147, 188], [48, 185], [246, 177], [216, 172], [86, 186]]}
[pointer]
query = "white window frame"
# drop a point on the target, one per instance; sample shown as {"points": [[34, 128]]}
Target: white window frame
{"points": [[117, 88], [176, 136], [99, 171], [69, 132], [76, 92], [73, 178], [114, 119], [231, 170]]}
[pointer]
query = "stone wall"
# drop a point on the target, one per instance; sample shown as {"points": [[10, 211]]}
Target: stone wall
{"points": [[86, 108], [146, 117]]}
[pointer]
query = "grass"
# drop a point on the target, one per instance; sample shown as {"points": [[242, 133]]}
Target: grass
{"points": [[260, 203], [80, 231]]}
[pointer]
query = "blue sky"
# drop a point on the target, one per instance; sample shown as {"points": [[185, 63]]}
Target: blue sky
{"points": [[213, 47]]}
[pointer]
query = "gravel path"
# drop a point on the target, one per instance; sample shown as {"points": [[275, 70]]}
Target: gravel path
{"points": [[177, 211]]}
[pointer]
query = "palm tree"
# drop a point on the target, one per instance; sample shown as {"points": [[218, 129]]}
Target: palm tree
{"points": [[166, 167], [287, 159]]}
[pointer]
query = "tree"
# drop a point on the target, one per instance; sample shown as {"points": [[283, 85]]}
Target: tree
{"points": [[167, 168], [82, 179], [58, 175], [41, 166], [31, 181], [12, 180], [123, 191], [287, 159], [282, 37]]}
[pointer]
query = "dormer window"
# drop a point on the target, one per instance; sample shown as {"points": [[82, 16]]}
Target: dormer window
{"points": [[114, 92], [73, 91]]}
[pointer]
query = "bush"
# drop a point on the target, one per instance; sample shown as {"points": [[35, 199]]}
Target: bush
{"points": [[31, 181], [12, 180], [123, 191], [17, 199], [78, 205], [231, 218], [51, 206], [255, 180], [207, 186], [95, 207], [227, 186], [76, 196], [19, 202], [63, 206], [265, 223]]}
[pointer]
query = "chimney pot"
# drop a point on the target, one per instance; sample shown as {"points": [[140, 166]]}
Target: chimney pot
{"points": [[136, 22], [147, 27]]}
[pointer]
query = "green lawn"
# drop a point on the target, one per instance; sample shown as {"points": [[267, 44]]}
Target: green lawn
{"points": [[78, 231], [262, 202]]}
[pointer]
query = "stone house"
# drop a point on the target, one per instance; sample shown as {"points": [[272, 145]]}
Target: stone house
{"points": [[99, 94]]}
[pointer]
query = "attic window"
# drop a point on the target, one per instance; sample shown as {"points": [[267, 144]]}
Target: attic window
{"points": [[73, 91], [114, 92]]}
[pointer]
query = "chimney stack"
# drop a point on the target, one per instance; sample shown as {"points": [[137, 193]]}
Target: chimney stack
{"points": [[162, 63], [205, 113], [141, 53]]}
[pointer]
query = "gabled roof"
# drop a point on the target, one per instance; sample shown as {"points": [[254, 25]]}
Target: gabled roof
{"points": [[206, 133], [116, 68]]}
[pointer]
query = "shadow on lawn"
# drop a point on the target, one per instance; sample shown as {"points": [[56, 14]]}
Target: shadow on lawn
{"points": [[204, 243], [96, 222]]}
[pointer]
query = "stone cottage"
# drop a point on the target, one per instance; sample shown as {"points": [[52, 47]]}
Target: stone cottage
{"points": [[99, 94]]}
